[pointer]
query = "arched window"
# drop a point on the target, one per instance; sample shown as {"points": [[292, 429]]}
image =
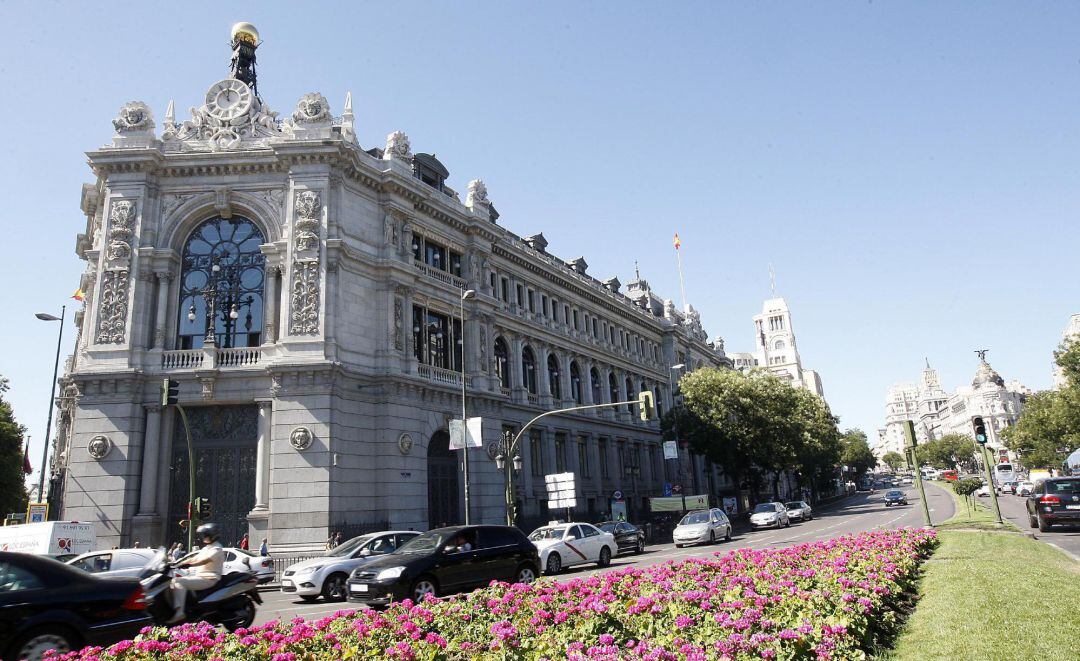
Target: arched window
{"points": [[779, 345], [502, 362], [613, 387], [553, 376], [528, 370], [221, 285], [629, 394], [575, 383], [594, 378]]}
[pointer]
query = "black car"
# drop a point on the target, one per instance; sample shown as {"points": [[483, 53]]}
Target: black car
{"points": [[446, 560], [45, 604], [895, 497], [1054, 500], [628, 537]]}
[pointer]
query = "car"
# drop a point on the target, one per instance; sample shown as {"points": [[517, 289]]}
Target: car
{"points": [[239, 560], [907, 481], [982, 491], [895, 497], [562, 545], [702, 526], [799, 511], [1024, 487], [326, 576], [769, 515], [116, 562], [446, 560], [48, 605], [1053, 501], [1008, 487], [628, 537]]}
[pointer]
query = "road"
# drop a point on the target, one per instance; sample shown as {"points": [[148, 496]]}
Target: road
{"points": [[1014, 508], [861, 512]]}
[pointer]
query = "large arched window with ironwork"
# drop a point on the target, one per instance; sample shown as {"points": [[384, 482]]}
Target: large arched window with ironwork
{"points": [[528, 370], [553, 376], [221, 285], [594, 378], [613, 387], [575, 383], [502, 363], [629, 394]]}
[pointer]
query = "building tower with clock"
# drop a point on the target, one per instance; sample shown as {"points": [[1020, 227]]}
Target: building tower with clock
{"points": [[306, 293]]}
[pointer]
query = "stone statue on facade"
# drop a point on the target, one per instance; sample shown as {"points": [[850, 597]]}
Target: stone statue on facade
{"points": [[397, 146]]}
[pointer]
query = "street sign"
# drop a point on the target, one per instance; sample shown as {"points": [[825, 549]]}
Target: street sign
{"points": [[474, 436], [561, 489], [37, 512], [617, 495], [671, 451], [667, 488]]}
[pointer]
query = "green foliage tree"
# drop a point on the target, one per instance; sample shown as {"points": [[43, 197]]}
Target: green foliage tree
{"points": [[893, 460], [1049, 427], [13, 494], [753, 425], [949, 451], [966, 488], [856, 451]]}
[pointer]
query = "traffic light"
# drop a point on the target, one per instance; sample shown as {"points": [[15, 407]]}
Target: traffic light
{"points": [[646, 401], [909, 434], [170, 389], [980, 430], [202, 509]]}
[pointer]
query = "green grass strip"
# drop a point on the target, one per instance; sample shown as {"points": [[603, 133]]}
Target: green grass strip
{"points": [[994, 596]]}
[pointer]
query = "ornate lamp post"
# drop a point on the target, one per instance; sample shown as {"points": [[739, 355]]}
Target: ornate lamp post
{"points": [[509, 447], [221, 293]]}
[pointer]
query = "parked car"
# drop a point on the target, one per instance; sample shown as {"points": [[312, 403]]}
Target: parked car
{"points": [[895, 497], [239, 560], [628, 537], [798, 510], [326, 576], [566, 544], [446, 560], [1024, 487], [769, 515], [117, 562], [1008, 487], [1055, 500], [907, 481], [48, 605], [702, 526]]}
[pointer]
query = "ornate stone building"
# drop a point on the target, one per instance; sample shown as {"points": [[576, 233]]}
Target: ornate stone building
{"points": [[306, 294], [776, 349]]}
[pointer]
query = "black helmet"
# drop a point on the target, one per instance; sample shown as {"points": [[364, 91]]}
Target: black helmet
{"points": [[208, 530]]}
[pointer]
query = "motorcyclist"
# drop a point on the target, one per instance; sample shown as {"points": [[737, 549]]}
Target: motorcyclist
{"points": [[209, 563]]}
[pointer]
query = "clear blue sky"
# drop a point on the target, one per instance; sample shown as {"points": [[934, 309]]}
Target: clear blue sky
{"points": [[909, 168]]}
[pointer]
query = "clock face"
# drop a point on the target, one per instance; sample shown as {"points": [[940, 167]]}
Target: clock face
{"points": [[228, 99]]}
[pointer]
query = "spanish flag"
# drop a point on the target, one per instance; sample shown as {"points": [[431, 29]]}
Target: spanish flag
{"points": [[79, 295], [678, 243]]}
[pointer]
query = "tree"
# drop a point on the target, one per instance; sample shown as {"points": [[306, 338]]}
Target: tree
{"points": [[948, 451], [1067, 358], [1049, 427], [13, 495], [893, 460], [856, 451]]}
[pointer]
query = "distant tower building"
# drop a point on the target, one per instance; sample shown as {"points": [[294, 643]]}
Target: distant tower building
{"points": [[1072, 331], [776, 349]]}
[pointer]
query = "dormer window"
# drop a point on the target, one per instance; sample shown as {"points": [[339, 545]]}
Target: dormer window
{"points": [[429, 170]]}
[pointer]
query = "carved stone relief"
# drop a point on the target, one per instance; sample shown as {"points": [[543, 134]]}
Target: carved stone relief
{"points": [[304, 318], [397, 146], [134, 116], [399, 324], [301, 438], [99, 446], [405, 444]]}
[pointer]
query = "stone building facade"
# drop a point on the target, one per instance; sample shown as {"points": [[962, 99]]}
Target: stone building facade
{"points": [[776, 349], [307, 295]]}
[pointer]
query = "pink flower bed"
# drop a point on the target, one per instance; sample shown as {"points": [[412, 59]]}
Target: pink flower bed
{"points": [[835, 599]]}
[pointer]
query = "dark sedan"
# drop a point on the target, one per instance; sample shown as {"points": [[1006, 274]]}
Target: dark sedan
{"points": [[46, 605], [628, 537], [895, 497], [446, 560], [1055, 500]]}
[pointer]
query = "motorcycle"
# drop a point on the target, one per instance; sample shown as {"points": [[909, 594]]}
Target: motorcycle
{"points": [[231, 602]]}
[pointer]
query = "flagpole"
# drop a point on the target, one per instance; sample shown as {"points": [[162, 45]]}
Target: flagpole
{"points": [[682, 283]]}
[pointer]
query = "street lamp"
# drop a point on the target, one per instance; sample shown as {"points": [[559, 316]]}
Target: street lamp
{"points": [[509, 447], [52, 399], [465, 293]]}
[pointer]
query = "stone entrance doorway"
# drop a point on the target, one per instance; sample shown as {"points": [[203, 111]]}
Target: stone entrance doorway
{"points": [[224, 439], [442, 470]]}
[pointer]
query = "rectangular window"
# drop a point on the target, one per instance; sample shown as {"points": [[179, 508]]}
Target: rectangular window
{"points": [[566, 314], [605, 469], [432, 339], [595, 329], [520, 295], [532, 301], [577, 326], [505, 290], [554, 310], [583, 457], [536, 452], [492, 279], [435, 255], [560, 452], [543, 305], [455, 264], [418, 248]]}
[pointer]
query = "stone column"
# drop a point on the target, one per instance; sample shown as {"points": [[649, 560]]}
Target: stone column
{"points": [[270, 303], [517, 385], [586, 378], [593, 449], [262, 458], [151, 446], [543, 382], [161, 321], [568, 390]]}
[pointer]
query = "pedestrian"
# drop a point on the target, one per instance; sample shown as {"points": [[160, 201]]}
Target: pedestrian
{"points": [[178, 552], [243, 545], [330, 542], [264, 549], [338, 538], [136, 543]]}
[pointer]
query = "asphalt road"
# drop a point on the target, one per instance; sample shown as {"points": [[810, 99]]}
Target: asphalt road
{"points": [[1014, 508], [861, 512]]}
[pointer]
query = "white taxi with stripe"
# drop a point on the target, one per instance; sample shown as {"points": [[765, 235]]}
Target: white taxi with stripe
{"points": [[565, 544]]}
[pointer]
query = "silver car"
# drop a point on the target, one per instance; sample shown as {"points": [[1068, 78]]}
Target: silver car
{"points": [[798, 510], [702, 526], [769, 515], [325, 576], [117, 562]]}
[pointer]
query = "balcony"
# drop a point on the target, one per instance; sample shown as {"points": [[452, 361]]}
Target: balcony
{"points": [[193, 359], [439, 375], [439, 275]]}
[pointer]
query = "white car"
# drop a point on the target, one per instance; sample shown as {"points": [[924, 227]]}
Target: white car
{"points": [[565, 544], [117, 562], [798, 510], [702, 526], [239, 560], [769, 515], [1024, 488], [327, 574]]}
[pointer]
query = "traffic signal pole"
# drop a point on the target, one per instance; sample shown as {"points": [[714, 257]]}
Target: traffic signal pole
{"points": [[191, 480], [913, 457], [980, 438]]}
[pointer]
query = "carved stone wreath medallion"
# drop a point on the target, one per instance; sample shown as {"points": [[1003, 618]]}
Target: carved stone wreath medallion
{"points": [[301, 438], [405, 444], [99, 446]]}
